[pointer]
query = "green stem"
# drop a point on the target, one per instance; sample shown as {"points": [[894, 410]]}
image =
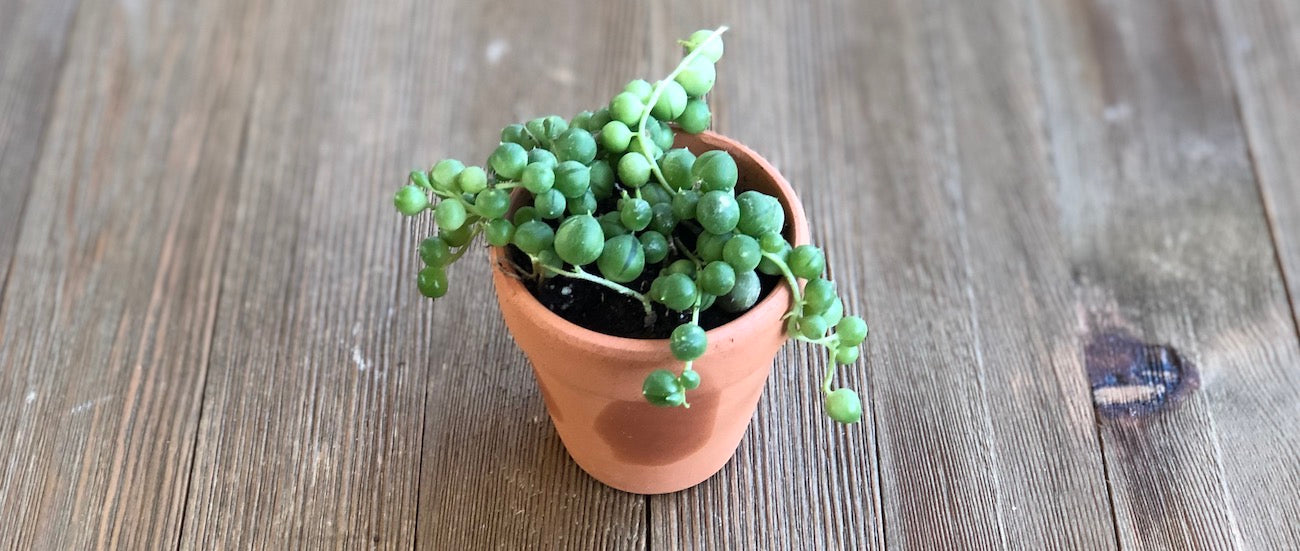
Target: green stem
{"points": [[687, 253], [695, 319], [830, 370], [831, 342], [654, 97], [478, 228], [579, 273]]}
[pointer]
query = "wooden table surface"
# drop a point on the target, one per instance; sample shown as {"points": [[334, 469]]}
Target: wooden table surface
{"points": [[210, 335]]}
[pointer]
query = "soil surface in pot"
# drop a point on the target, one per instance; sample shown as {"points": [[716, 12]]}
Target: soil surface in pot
{"points": [[601, 309]]}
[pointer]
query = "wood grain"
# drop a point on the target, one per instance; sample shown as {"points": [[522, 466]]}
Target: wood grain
{"points": [[33, 38], [1261, 40], [110, 302], [983, 418], [210, 335], [1170, 244]]}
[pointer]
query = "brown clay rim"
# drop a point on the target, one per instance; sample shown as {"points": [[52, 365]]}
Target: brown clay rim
{"points": [[797, 225]]}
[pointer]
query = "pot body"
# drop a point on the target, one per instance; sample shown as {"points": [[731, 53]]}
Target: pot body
{"points": [[591, 382]]}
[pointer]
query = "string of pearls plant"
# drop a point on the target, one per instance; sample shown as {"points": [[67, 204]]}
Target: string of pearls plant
{"points": [[610, 198]]}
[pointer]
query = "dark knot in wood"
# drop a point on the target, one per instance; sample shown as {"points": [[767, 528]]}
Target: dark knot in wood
{"points": [[1131, 378]]}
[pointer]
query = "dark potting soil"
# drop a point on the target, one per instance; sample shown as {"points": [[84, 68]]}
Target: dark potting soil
{"points": [[604, 310]]}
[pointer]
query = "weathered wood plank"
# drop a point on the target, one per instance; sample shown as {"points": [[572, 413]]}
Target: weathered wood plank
{"points": [[1261, 39], [494, 473], [106, 321], [330, 374], [1170, 246], [912, 130], [310, 420], [33, 37]]}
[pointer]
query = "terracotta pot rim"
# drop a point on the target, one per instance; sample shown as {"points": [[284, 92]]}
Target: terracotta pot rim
{"points": [[797, 224]]}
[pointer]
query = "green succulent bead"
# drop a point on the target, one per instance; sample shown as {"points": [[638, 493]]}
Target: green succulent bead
{"points": [[661, 134], [612, 224], [742, 252], [550, 205], [835, 313], [678, 292], [662, 219], [676, 167], [760, 214], [812, 327], [508, 161], [499, 232], [709, 49], [847, 355], [432, 282], [715, 170], [534, 236], [655, 246], [549, 261], [688, 342], [516, 133], [709, 246], [681, 266], [581, 120], [450, 214], [572, 178], [579, 240], [615, 136], [806, 261], [671, 102], [689, 379], [773, 243], [696, 117], [411, 200], [844, 406], [743, 295], [601, 180], [420, 178], [634, 169], [818, 294], [444, 174], [575, 144], [472, 180], [717, 278], [662, 389], [697, 77], [635, 213], [598, 119], [458, 237], [584, 204], [524, 214], [538, 177], [640, 88], [434, 251], [685, 204], [543, 156], [656, 195], [492, 203], [851, 330], [553, 126], [622, 259], [718, 211], [766, 265], [626, 107]]}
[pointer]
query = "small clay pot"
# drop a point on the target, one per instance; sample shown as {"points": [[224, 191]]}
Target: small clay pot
{"points": [[592, 381]]}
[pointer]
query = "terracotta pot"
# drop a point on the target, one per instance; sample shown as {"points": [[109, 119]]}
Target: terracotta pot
{"points": [[592, 382]]}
